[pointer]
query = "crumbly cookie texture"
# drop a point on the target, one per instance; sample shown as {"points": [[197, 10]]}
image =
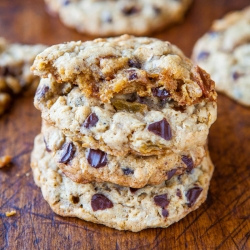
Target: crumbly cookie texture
{"points": [[120, 207], [104, 68], [126, 95], [225, 51], [15, 74], [129, 124], [85, 165], [108, 18]]}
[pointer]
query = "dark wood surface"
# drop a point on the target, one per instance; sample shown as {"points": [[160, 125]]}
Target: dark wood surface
{"points": [[223, 222]]}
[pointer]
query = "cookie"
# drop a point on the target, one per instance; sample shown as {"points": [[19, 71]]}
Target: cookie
{"points": [[126, 95], [224, 52], [15, 75], [108, 18], [120, 207], [85, 165]]}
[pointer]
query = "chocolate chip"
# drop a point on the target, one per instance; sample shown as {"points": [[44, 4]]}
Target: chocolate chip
{"points": [[132, 97], [161, 128], [192, 195], [171, 173], [46, 146], [75, 199], [237, 75], [203, 55], [164, 212], [100, 202], [10, 70], [41, 91], [133, 190], [127, 171], [66, 2], [161, 200], [130, 10], [97, 158], [160, 93], [134, 63], [67, 152], [132, 75], [179, 108], [91, 121], [188, 162], [157, 10], [178, 193]]}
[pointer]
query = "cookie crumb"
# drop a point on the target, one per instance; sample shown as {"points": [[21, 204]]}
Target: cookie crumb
{"points": [[11, 213], [5, 160]]}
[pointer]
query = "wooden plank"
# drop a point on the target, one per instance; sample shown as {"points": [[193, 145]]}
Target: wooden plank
{"points": [[221, 223]]}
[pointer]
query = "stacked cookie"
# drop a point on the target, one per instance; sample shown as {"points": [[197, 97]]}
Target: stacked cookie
{"points": [[125, 125]]}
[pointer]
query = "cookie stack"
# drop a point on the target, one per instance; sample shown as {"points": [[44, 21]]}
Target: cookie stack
{"points": [[125, 126]]}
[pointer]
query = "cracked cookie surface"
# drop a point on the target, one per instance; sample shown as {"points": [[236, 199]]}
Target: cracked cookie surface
{"points": [[126, 94], [85, 165], [120, 207], [15, 74], [108, 18], [224, 52]]}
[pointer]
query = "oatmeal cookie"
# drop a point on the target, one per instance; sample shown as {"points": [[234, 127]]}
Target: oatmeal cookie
{"points": [[15, 74], [225, 51], [126, 94], [85, 165], [120, 207], [108, 18]]}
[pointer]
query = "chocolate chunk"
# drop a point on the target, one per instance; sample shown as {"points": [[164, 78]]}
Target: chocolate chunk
{"points": [[165, 212], [127, 171], [179, 108], [46, 146], [203, 55], [133, 190], [178, 193], [132, 97], [67, 152], [91, 121], [41, 91], [132, 75], [188, 161], [161, 200], [171, 173], [75, 199], [134, 63], [97, 158], [66, 2], [100, 202], [10, 70], [160, 93], [161, 128], [193, 194], [237, 75], [157, 10], [130, 10]]}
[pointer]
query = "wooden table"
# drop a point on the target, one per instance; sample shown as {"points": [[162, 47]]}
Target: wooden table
{"points": [[223, 222]]}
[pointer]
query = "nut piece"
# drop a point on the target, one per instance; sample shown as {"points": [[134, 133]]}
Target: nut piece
{"points": [[11, 213], [5, 160]]}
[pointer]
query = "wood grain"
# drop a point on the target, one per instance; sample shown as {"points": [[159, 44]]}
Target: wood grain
{"points": [[223, 222]]}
